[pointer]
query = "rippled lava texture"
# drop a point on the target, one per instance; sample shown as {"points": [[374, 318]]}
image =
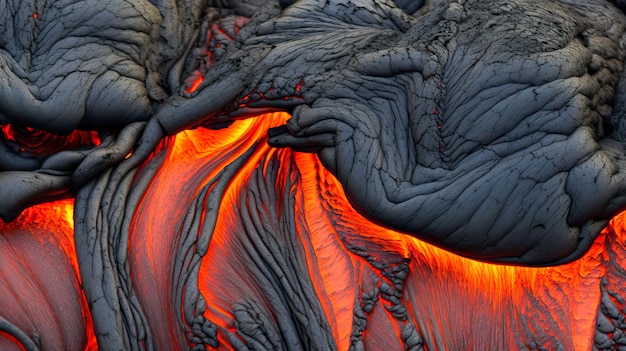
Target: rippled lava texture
{"points": [[312, 175]]}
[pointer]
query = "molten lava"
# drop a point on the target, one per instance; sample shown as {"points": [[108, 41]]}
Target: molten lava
{"points": [[372, 284], [41, 287], [459, 298], [41, 143]]}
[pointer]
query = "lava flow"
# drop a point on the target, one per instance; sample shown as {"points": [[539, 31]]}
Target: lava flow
{"points": [[283, 234]]}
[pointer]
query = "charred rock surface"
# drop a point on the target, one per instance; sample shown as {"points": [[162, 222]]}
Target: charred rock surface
{"points": [[392, 117]]}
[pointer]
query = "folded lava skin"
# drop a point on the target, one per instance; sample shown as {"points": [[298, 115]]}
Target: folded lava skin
{"points": [[315, 175]]}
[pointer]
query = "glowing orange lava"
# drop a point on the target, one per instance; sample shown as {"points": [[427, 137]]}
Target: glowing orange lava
{"points": [[473, 305], [42, 143], [567, 296], [39, 280], [196, 80]]}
